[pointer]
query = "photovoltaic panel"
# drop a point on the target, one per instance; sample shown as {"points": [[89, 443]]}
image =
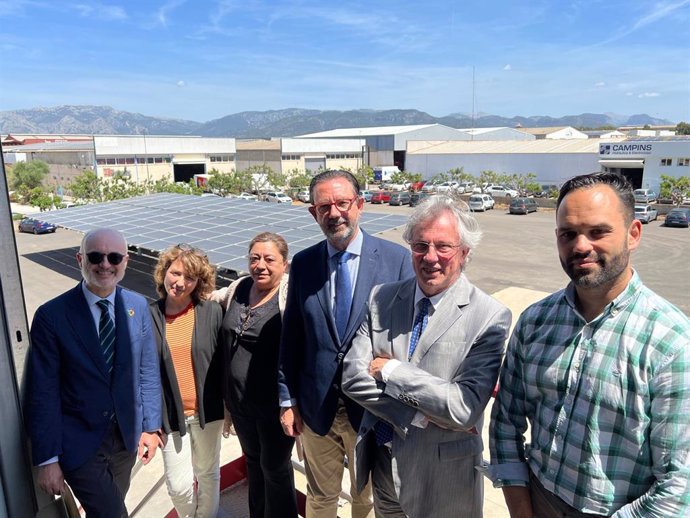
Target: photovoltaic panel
{"points": [[222, 227]]}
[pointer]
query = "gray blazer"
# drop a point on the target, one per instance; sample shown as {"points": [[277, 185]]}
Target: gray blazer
{"points": [[449, 379]]}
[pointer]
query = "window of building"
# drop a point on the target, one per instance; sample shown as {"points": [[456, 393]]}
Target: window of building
{"points": [[684, 162], [290, 157], [221, 158], [340, 156], [100, 161], [666, 162]]}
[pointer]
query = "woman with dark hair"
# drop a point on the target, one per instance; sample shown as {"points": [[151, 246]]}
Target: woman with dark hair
{"points": [[251, 336], [187, 329]]}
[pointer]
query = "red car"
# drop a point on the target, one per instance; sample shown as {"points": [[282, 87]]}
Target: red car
{"points": [[417, 186], [381, 197]]}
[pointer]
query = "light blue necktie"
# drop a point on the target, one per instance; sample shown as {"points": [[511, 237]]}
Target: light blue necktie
{"points": [[106, 334], [343, 293], [383, 429]]}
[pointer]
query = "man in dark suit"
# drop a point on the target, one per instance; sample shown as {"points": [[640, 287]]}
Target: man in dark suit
{"points": [[329, 285], [424, 364], [93, 382]]}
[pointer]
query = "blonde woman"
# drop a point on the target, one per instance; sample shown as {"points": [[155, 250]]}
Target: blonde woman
{"points": [[187, 329]]}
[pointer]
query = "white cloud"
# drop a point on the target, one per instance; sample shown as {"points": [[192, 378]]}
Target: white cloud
{"points": [[103, 12], [181, 84], [164, 10], [507, 67], [629, 94], [600, 84], [648, 94]]}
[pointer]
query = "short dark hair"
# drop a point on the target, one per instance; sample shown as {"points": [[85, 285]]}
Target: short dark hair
{"points": [[330, 175], [619, 183]]}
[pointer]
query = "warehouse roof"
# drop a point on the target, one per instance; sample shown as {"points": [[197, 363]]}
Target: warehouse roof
{"points": [[368, 132], [421, 147]]}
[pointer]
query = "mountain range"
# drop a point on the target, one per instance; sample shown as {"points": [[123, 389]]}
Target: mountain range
{"points": [[289, 122]]}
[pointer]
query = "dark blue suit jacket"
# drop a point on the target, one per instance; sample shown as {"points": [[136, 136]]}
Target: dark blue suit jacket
{"points": [[311, 354], [70, 394]]}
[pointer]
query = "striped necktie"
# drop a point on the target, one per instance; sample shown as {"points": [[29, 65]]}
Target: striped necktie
{"points": [[106, 334]]}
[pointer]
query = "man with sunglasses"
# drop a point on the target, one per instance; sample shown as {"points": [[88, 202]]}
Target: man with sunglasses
{"points": [[424, 364], [94, 399], [328, 288]]}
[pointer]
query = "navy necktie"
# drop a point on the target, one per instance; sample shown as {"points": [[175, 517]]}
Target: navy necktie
{"points": [[106, 334], [343, 293], [383, 429], [419, 324]]}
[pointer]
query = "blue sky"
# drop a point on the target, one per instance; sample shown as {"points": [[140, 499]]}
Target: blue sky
{"points": [[202, 60]]}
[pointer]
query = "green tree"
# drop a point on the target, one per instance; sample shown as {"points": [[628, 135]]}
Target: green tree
{"points": [[458, 174], [364, 175], [26, 176], [674, 188], [165, 185], [488, 177], [39, 197], [299, 179], [220, 183], [87, 187], [264, 177], [683, 128]]}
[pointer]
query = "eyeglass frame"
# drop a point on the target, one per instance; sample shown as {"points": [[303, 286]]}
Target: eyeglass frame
{"points": [[114, 258], [316, 208], [444, 255]]}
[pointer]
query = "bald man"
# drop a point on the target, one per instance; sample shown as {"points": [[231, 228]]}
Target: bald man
{"points": [[94, 400]]}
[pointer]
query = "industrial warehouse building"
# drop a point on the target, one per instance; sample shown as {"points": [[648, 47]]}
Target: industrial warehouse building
{"points": [[386, 145], [644, 159], [552, 161]]}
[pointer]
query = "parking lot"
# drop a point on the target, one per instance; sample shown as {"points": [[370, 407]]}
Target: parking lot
{"points": [[516, 260], [516, 251]]}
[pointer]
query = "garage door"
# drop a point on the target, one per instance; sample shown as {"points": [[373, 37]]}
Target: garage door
{"points": [[313, 164]]}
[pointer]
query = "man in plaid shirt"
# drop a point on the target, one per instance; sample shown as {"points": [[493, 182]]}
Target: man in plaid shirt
{"points": [[600, 371]]}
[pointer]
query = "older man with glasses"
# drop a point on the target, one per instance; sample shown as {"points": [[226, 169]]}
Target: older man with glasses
{"points": [[94, 392], [424, 364], [327, 293]]}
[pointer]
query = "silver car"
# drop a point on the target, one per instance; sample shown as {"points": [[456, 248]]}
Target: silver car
{"points": [[481, 202], [646, 213]]}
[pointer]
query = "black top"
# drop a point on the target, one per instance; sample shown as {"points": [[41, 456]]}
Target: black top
{"points": [[251, 337]]}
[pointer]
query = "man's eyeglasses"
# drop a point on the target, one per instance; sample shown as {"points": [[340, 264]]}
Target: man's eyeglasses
{"points": [[97, 257], [342, 205], [444, 250]]}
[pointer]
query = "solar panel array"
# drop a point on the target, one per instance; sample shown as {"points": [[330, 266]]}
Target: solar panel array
{"points": [[222, 227]]}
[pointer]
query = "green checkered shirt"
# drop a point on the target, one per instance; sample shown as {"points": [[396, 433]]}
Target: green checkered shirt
{"points": [[608, 403]]}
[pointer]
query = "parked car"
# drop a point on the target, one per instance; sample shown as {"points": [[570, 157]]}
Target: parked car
{"points": [[644, 196], [35, 226], [430, 187], [277, 197], [678, 217], [447, 187], [646, 213], [381, 197], [417, 186], [246, 196], [303, 196], [501, 190], [481, 202], [399, 198], [366, 195], [466, 187], [522, 206], [417, 197]]}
